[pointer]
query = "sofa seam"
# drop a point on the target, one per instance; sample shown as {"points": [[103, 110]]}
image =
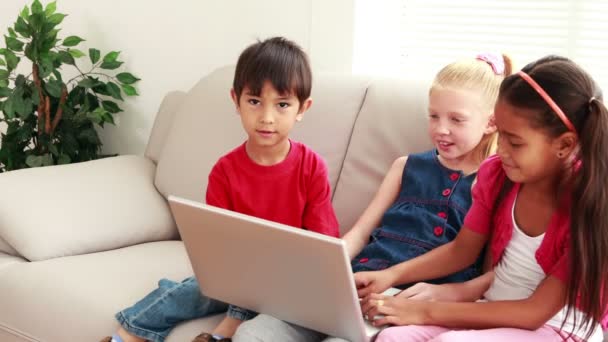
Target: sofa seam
{"points": [[350, 137], [17, 333]]}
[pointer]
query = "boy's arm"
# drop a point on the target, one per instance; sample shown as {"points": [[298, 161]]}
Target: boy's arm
{"points": [[218, 193], [358, 236], [319, 215]]}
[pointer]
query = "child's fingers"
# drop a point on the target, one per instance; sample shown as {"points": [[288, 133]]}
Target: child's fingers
{"points": [[370, 307], [364, 291], [386, 320]]}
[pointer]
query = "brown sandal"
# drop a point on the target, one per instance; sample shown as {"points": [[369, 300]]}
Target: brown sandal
{"points": [[206, 337]]}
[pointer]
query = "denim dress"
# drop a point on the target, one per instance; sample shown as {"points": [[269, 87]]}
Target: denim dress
{"points": [[428, 213]]}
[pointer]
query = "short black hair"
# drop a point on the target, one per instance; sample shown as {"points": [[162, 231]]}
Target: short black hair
{"points": [[278, 60]]}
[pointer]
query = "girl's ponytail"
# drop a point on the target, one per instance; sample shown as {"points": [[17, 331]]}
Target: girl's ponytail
{"points": [[589, 218]]}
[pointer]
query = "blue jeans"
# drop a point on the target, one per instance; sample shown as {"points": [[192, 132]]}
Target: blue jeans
{"points": [[153, 317]]}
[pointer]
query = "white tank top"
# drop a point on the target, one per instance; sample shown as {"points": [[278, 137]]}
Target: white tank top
{"points": [[518, 274]]}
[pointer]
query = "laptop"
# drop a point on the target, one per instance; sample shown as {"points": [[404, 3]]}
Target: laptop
{"points": [[298, 276]]}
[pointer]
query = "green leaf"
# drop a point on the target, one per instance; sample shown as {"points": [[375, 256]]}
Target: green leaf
{"points": [[36, 7], [27, 110], [53, 149], [66, 58], [94, 54], [101, 88], [13, 43], [89, 135], [2, 62], [56, 18], [111, 107], [57, 75], [22, 27], [97, 115], [8, 109], [50, 8], [31, 52], [47, 160], [12, 33], [72, 41], [4, 92], [76, 53], [88, 83], [54, 87], [63, 159], [129, 90], [4, 83], [4, 74], [114, 90], [111, 56], [110, 65], [107, 117], [20, 82], [36, 21], [33, 161], [25, 12], [127, 78], [11, 60]]}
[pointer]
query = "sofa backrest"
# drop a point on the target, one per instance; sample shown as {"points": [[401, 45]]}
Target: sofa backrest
{"points": [[358, 125]]}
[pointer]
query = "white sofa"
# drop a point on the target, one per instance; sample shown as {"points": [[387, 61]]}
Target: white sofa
{"points": [[80, 242]]}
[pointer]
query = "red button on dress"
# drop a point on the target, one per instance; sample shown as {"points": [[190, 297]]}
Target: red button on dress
{"points": [[438, 231], [446, 192], [442, 215], [454, 176], [363, 260]]}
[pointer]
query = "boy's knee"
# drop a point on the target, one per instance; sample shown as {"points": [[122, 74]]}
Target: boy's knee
{"points": [[258, 328]]}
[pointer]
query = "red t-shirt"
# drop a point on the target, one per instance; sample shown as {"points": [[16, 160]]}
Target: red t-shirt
{"points": [[294, 192]]}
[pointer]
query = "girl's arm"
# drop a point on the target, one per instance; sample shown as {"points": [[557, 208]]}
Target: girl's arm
{"points": [[530, 313], [468, 291], [452, 257], [358, 236]]}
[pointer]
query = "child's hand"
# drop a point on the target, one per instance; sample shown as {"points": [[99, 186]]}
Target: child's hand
{"points": [[372, 282], [432, 292], [388, 310]]}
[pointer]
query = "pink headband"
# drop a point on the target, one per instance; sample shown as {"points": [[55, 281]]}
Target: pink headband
{"points": [[495, 61], [548, 99]]}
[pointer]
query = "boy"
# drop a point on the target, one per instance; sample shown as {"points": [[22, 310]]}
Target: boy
{"points": [[271, 92]]}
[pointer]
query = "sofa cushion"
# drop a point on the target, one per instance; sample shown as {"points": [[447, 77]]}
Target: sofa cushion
{"points": [[6, 248], [207, 126], [83, 208], [392, 123], [60, 290], [7, 260]]}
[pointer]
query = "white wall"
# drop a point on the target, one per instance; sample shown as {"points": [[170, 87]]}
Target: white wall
{"points": [[172, 44]]}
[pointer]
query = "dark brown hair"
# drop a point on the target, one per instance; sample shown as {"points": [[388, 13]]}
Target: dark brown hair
{"points": [[580, 98], [278, 60]]}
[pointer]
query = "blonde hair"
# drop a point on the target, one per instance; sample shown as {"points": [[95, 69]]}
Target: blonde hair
{"points": [[476, 75]]}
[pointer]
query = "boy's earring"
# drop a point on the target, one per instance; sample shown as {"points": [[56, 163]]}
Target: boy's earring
{"points": [[299, 119]]}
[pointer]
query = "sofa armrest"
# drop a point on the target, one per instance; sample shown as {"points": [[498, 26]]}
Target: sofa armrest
{"points": [[82, 208], [163, 122]]}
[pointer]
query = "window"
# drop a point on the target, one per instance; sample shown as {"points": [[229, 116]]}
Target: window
{"points": [[412, 36]]}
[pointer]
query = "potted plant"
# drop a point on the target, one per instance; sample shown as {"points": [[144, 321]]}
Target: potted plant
{"points": [[51, 107]]}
